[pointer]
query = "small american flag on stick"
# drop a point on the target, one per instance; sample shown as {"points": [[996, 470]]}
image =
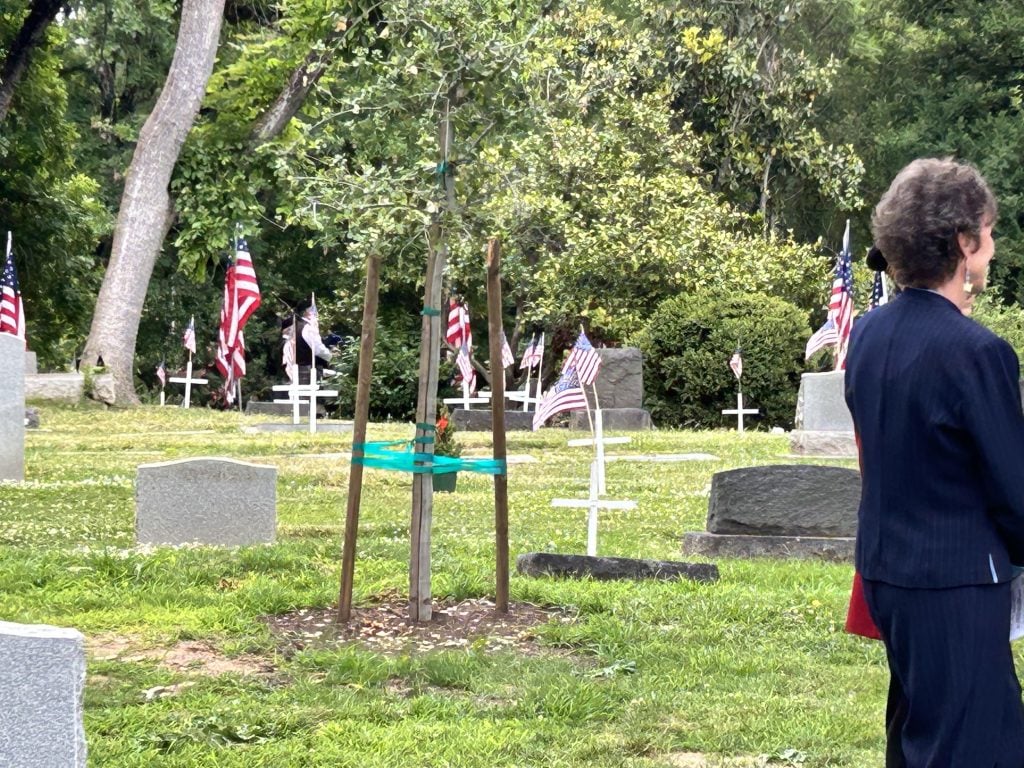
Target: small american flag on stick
{"points": [[12, 311], [466, 367], [507, 358], [241, 299], [188, 339], [584, 359], [566, 395], [736, 363]]}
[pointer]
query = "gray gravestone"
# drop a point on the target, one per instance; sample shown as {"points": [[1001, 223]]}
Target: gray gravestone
{"points": [[784, 510], [480, 420], [621, 381], [215, 501], [619, 419], [42, 680], [31, 366], [823, 425], [603, 568], [12, 407]]}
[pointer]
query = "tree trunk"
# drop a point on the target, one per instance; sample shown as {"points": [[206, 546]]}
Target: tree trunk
{"points": [[145, 212], [40, 14]]}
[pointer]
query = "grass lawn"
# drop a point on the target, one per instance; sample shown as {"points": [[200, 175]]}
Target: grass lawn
{"points": [[752, 670]]}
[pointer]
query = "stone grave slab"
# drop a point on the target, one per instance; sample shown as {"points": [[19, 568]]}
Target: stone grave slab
{"points": [[216, 501], [604, 568], [780, 511], [480, 420], [281, 408], [31, 418], [12, 408], [42, 684], [278, 426], [618, 419]]}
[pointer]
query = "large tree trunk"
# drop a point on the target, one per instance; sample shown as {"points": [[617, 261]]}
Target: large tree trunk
{"points": [[145, 212], [40, 14]]}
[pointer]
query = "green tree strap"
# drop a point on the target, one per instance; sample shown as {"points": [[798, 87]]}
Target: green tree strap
{"points": [[426, 427], [379, 455], [430, 312]]}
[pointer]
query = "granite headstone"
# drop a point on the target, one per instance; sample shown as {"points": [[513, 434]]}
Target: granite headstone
{"points": [[42, 681], [215, 501], [781, 510], [12, 408]]}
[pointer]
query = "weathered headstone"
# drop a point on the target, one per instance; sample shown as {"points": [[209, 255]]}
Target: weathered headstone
{"points": [[214, 501], [823, 425], [620, 392], [31, 418], [781, 511], [480, 420], [621, 381], [12, 408], [42, 680], [585, 566]]}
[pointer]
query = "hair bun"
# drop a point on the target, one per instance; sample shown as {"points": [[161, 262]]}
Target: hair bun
{"points": [[876, 260]]}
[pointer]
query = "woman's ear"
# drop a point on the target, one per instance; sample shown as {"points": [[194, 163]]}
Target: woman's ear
{"points": [[967, 244]]}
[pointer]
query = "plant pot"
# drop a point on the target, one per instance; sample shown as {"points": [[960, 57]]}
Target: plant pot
{"points": [[445, 482]]}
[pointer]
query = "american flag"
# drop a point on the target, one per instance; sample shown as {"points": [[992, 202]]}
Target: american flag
{"points": [[566, 395], [584, 359], [879, 294], [533, 354], [736, 363], [12, 311], [507, 358], [188, 339], [821, 338], [241, 299], [840, 306], [161, 374], [458, 331], [466, 367]]}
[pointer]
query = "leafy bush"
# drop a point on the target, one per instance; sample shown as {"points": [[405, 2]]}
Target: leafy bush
{"points": [[687, 344], [1007, 320]]}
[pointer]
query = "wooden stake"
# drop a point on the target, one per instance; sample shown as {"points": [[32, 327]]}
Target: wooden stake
{"points": [[364, 377], [494, 330]]}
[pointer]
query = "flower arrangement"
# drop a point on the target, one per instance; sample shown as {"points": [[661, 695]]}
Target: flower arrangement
{"points": [[445, 442]]}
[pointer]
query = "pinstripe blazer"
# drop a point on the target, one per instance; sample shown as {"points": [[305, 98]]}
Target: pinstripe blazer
{"points": [[936, 402]]}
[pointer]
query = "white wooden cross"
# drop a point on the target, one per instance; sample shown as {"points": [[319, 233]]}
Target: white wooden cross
{"points": [[739, 410], [597, 483], [592, 505], [467, 398], [523, 396], [599, 441], [188, 381], [299, 394]]}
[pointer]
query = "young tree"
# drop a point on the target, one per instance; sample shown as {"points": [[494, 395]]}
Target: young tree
{"points": [[145, 214]]}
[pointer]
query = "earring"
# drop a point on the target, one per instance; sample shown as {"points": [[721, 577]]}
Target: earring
{"points": [[968, 285]]}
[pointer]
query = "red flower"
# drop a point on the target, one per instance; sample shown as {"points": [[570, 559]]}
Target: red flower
{"points": [[442, 424]]}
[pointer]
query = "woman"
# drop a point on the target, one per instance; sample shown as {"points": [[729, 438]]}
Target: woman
{"points": [[936, 404]]}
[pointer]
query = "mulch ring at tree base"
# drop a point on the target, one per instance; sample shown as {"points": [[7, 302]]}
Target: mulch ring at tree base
{"points": [[386, 628]]}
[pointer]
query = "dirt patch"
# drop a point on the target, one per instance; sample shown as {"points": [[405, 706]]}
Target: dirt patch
{"points": [[699, 760], [186, 656], [386, 628]]}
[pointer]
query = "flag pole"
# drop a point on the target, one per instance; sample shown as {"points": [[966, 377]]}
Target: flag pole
{"points": [[583, 389], [526, 389]]}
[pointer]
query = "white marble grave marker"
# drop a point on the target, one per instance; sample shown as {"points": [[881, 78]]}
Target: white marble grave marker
{"points": [[42, 682], [222, 502], [12, 408]]}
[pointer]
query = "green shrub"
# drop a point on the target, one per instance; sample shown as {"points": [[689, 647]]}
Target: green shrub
{"points": [[1007, 320], [687, 344]]}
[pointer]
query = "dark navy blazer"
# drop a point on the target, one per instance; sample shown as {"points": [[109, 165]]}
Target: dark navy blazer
{"points": [[936, 401]]}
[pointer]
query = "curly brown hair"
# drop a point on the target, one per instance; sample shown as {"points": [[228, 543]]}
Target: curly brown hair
{"points": [[916, 223]]}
